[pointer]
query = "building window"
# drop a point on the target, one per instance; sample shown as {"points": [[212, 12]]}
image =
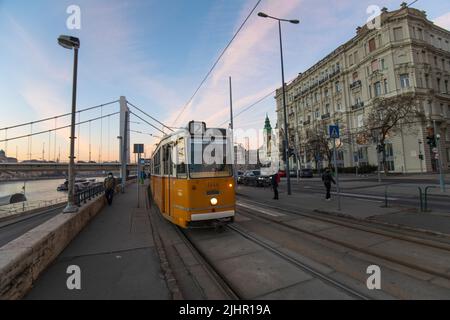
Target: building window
{"points": [[374, 65], [350, 59], [383, 65], [338, 107], [432, 39], [438, 85], [446, 86], [398, 34], [386, 87], [356, 56], [317, 114], [370, 91], [360, 120], [427, 82], [372, 45], [327, 108], [420, 33], [390, 156], [377, 87], [404, 80], [338, 86]]}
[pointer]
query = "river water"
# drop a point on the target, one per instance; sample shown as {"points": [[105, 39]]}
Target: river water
{"points": [[37, 190]]}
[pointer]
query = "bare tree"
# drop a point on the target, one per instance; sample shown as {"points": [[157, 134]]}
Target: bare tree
{"points": [[387, 116], [318, 142]]}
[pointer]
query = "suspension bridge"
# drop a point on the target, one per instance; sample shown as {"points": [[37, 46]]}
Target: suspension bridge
{"points": [[122, 113]]}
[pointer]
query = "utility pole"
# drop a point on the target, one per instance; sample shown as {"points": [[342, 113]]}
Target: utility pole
{"points": [[232, 134]]}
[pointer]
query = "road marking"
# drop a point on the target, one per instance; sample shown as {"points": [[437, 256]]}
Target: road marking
{"points": [[364, 196], [378, 201], [259, 209]]}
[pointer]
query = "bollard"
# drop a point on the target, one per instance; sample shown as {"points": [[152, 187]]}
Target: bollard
{"points": [[420, 198], [385, 196], [425, 198]]}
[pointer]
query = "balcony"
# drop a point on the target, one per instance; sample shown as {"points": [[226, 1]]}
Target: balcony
{"points": [[325, 116], [307, 122], [355, 84], [358, 105]]}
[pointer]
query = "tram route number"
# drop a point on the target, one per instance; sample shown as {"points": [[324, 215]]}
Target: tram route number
{"points": [[226, 310]]}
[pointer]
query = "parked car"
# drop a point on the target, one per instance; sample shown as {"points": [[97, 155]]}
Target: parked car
{"points": [[293, 173], [282, 173], [255, 178], [250, 177], [306, 173]]}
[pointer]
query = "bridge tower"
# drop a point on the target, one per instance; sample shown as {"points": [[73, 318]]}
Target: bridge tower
{"points": [[124, 137]]}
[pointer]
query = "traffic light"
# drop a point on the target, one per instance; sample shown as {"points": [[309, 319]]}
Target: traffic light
{"points": [[291, 152], [380, 148], [431, 138], [431, 141]]}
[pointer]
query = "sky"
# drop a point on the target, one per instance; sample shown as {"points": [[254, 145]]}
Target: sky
{"points": [[156, 53]]}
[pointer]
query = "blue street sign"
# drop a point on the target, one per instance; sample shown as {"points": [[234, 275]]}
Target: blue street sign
{"points": [[334, 132]]}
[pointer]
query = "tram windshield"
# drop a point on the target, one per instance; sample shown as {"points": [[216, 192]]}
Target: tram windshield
{"points": [[209, 160]]}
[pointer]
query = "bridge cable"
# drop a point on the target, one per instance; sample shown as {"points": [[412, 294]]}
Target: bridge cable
{"points": [[59, 116], [149, 116], [146, 123], [59, 128], [216, 62]]}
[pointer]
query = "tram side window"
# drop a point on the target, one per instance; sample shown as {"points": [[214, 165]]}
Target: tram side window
{"points": [[167, 161], [181, 159], [157, 163]]}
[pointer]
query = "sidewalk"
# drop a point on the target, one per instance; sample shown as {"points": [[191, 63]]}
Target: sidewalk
{"points": [[116, 255], [363, 209]]}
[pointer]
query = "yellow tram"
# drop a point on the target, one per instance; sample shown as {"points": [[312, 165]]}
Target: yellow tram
{"points": [[192, 176]]}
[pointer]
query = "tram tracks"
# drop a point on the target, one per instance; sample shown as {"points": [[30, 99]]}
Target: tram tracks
{"points": [[230, 288], [221, 281], [444, 247]]}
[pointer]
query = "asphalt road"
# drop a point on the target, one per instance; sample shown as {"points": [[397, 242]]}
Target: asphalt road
{"points": [[12, 229], [401, 192]]}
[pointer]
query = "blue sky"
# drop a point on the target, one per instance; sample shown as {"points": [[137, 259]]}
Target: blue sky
{"points": [[156, 53]]}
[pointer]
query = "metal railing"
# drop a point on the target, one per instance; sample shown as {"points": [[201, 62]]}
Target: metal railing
{"points": [[20, 207], [423, 197], [83, 196]]}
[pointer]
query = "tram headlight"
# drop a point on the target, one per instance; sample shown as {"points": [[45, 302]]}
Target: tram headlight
{"points": [[213, 201], [230, 185]]}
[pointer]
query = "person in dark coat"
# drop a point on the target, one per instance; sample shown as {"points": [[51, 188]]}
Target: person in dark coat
{"points": [[275, 182], [110, 186], [327, 179]]}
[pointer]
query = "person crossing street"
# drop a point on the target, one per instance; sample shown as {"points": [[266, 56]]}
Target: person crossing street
{"points": [[327, 179], [275, 183]]}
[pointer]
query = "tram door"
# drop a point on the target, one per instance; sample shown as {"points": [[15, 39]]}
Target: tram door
{"points": [[167, 178]]}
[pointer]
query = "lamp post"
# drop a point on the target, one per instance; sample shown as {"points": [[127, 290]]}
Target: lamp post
{"points": [[286, 136], [70, 43]]}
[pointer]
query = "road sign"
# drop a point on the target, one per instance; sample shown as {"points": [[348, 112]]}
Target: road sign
{"points": [[138, 148], [334, 132]]}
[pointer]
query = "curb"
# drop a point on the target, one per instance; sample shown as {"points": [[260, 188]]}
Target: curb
{"points": [[169, 277]]}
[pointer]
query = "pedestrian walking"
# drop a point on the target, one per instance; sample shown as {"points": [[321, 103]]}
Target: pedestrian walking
{"points": [[275, 183], [110, 187], [327, 179]]}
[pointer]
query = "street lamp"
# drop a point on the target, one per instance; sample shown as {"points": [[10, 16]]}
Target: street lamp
{"points": [[70, 43], [286, 141]]}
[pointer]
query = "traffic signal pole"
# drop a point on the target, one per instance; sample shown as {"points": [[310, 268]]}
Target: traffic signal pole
{"points": [[439, 162]]}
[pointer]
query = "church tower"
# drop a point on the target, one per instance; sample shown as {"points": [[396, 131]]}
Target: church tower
{"points": [[267, 133]]}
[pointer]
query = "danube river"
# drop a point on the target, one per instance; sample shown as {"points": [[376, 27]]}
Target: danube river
{"points": [[36, 190]]}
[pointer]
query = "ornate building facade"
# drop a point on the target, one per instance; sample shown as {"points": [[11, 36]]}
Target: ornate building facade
{"points": [[406, 54]]}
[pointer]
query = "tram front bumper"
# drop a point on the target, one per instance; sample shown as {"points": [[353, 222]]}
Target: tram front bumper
{"points": [[212, 215]]}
